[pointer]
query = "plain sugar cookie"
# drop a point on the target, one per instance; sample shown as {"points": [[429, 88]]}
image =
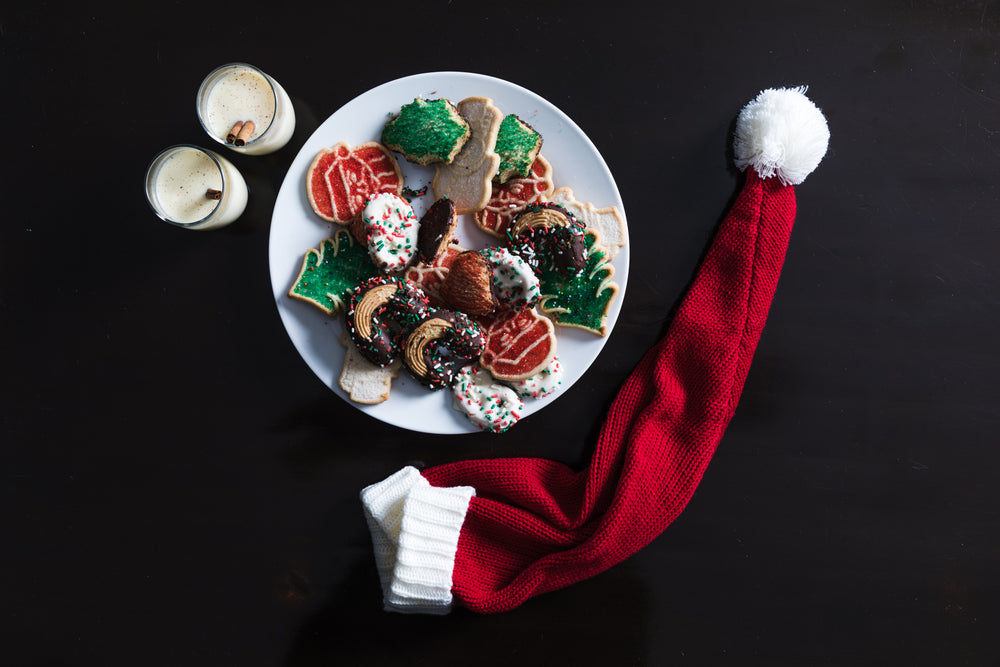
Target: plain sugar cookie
{"points": [[466, 180]]}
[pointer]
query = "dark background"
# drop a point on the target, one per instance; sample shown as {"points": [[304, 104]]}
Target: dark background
{"points": [[178, 488]]}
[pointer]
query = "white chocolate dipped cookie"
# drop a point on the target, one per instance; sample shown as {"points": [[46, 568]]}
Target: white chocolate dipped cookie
{"points": [[488, 404], [392, 228]]}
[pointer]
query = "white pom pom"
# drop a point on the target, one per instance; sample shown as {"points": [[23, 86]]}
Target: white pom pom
{"points": [[781, 133]]}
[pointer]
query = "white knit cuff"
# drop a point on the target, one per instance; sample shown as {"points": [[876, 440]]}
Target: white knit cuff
{"points": [[415, 529], [383, 503]]}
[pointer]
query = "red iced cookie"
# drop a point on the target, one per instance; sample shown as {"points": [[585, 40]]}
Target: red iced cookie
{"points": [[519, 344], [507, 199], [341, 178]]}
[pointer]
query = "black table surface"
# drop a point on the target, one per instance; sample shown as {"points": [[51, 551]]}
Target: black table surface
{"points": [[179, 488]]}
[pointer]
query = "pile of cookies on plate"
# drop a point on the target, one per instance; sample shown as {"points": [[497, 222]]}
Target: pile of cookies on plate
{"points": [[478, 322]]}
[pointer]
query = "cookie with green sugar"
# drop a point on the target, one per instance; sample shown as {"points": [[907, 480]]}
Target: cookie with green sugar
{"points": [[517, 145], [427, 131], [581, 299], [330, 272]]}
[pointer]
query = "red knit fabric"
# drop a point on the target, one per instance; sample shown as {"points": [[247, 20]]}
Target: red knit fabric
{"points": [[537, 525]]}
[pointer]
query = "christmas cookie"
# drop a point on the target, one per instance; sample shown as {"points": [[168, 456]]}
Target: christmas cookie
{"points": [[429, 277], [507, 199], [515, 285], [608, 222], [517, 145], [487, 403], [331, 272], [427, 131], [363, 381], [545, 383], [468, 285], [466, 179], [437, 226], [519, 343], [443, 342], [391, 228], [341, 179], [549, 238], [581, 299], [381, 313]]}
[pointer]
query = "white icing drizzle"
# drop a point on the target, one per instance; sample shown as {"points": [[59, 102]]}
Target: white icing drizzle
{"points": [[391, 227]]}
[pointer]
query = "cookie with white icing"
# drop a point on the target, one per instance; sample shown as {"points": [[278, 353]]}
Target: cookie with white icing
{"points": [[514, 283], [544, 383], [488, 404], [391, 228]]}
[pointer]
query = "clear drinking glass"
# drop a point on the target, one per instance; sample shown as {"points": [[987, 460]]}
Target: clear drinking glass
{"points": [[238, 93], [195, 188]]}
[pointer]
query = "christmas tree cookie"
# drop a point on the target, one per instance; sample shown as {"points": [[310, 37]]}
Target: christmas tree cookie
{"points": [[580, 299], [330, 272]]}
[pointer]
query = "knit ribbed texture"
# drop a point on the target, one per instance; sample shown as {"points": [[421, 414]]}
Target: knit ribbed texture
{"points": [[383, 506], [536, 525], [415, 530]]}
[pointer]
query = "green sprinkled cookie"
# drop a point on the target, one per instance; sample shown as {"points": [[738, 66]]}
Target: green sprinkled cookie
{"points": [[581, 300], [517, 145], [427, 131], [330, 272]]}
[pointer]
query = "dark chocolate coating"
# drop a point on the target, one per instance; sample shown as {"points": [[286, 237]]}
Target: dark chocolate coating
{"points": [[459, 346], [436, 227], [558, 247], [390, 322]]}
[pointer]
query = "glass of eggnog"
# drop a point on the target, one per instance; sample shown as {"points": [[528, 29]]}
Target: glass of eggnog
{"points": [[245, 109], [195, 188]]}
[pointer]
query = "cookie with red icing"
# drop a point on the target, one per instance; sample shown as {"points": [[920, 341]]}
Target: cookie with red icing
{"points": [[519, 344], [430, 276], [341, 179], [507, 199]]}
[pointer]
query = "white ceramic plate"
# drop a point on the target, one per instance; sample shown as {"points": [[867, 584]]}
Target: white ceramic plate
{"points": [[295, 228]]}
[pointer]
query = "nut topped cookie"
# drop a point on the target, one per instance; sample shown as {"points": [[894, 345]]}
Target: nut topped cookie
{"points": [[427, 131]]}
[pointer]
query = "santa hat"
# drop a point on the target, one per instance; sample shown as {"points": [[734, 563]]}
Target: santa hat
{"points": [[489, 534]]}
